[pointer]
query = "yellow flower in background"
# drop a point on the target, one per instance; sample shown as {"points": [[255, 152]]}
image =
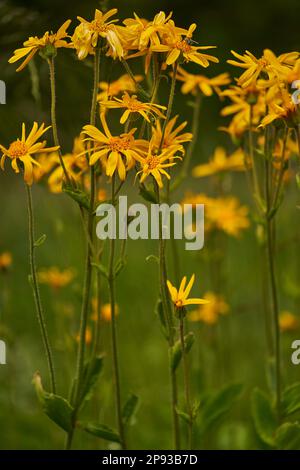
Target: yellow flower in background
{"points": [[88, 336], [132, 106], [210, 312], [288, 321], [194, 83], [88, 33], [48, 44], [172, 136], [123, 83], [177, 46], [102, 195], [268, 63], [105, 311], [221, 162], [55, 277], [179, 296], [21, 150], [226, 214], [154, 164], [117, 153], [47, 162], [5, 260]]}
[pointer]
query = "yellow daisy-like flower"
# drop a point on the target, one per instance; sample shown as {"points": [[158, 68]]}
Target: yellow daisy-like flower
{"points": [[180, 297], [221, 162], [172, 136], [5, 261], [113, 150], [286, 110], [55, 277], [210, 312], [105, 311], [21, 151], [288, 321], [48, 44], [228, 215], [132, 105], [154, 164], [182, 46], [194, 83], [123, 83], [87, 34]]}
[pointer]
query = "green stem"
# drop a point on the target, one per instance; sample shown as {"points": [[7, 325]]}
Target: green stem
{"points": [[139, 88], [53, 117], [170, 106], [36, 291], [186, 381], [111, 283]]}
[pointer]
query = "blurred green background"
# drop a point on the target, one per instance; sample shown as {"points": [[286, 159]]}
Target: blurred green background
{"points": [[234, 350]]}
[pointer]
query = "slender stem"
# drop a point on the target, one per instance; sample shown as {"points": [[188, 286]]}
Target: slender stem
{"points": [[36, 291], [251, 152], [273, 288], [53, 117], [186, 380], [111, 283], [139, 88], [88, 266], [170, 106], [169, 320]]}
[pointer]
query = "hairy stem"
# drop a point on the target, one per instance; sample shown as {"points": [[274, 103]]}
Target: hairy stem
{"points": [[186, 381]]}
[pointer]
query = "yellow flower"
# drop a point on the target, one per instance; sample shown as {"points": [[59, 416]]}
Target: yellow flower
{"points": [[123, 83], [21, 151], [5, 261], [228, 215], [132, 105], [88, 336], [210, 312], [245, 101], [154, 164], [113, 150], [221, 162], [193, 83], [172, 136], [286, 110], [180, 297], [87, 34], [105, 311], [288, 321], [55, 277], [178, 46], [268, 63], [47, 44], [47, 161]]}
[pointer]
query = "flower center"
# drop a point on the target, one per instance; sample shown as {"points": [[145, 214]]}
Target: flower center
{"points": [[98, 26], [17, 149], [179, 303], [132, 104], [118, 144], [152, 162], [183, 46]]}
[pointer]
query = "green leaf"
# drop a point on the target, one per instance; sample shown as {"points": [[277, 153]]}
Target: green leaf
{"points": [[102, 431], [77, 195], [288, 437], [159, 311], [120, 265], [264, 417], [91, 372], [147, 194], [101, 268], [183, 415], [176, 353], [215, 406], [291, 399], [130, 408], [57, 408], [40, 240]]}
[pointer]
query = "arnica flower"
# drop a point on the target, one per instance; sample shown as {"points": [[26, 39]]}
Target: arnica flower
{"points": [[21, 150], [179, 47], [180, 297], [133, 106], [268, 63], [88, 33], [220, 163], [5, 261], [123, 83], [47, 162], [55, 277], [47, 45], [105, 311], [210, 312], [288, 321], [117, 153], [200, 83], [245, 102], [226, 214], [287, 111], [154, 164], [173, 139]]}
